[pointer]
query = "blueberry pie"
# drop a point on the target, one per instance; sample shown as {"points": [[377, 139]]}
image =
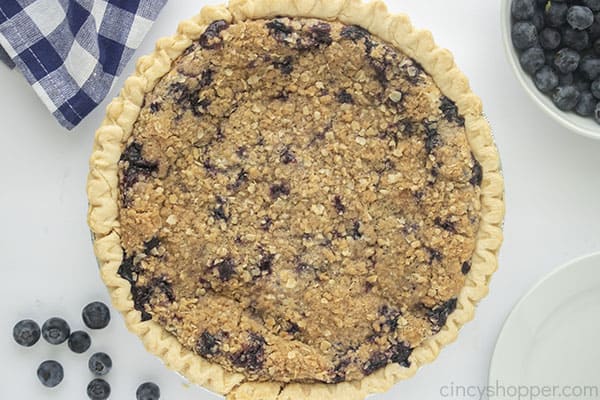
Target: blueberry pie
{"points": [[296, 199]]}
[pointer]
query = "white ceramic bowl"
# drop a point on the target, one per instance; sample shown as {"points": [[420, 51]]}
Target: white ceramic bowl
{"points": [[584, 126]]}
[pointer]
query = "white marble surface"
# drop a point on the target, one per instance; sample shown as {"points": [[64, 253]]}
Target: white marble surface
{"points": [[552, 191]]}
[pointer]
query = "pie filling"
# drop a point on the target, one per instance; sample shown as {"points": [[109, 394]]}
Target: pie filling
{"points": [[298, 202]]}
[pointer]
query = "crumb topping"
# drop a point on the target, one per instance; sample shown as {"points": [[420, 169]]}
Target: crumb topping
{"points": [[299, 202]]}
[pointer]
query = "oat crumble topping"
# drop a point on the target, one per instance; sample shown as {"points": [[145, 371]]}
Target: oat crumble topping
{"points": [[299, 202]]}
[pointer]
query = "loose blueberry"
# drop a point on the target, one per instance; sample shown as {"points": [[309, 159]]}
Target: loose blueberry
{"points": [[96, 315], [539, 20], [597, 46], [100, 364], [593, 5], [148, 391], [580, 17], [50, 373], [523, 9], [567, 60], [597, 113], [594, 30], [546, 79], [590, 67], [98, 389], [79, 342], [524, 35], [582, 84], [556, 14], [26, 333], [566, 79], [566, 97], [577, 40], [550, 38], [532, 60], [586, 105], [56, 331], [595, 88]]}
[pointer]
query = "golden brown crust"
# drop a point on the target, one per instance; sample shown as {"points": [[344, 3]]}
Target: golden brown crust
{"points": [[117, 127]]}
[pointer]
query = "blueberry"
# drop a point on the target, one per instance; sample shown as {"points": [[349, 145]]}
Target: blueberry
{"points": [[583, 85], [26, 333], [594, 30], [567, 60], [546, 79], [147, 391], [593, 5], [100, 364], [56, 331], [96, 315], [524, 35], [556, 14], [597, 46], [98, 389], [538, 20], [532, 59], [79, 342], [566, 97], [523, 9], [595, 88], [586, 105], [566, 79], [590, 67], [597, 113], [577, 40], [550, 38], [50, 373], [580, 17]]}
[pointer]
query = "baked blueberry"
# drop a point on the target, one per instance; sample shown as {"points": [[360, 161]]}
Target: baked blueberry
{"points": [[550, 38], [586, 105], [98, 389], [546, 79], [524, 35], [50, 373], [79, 342], [580, 17], [100, 364], [567, 60], [56, 331], [556, 13], [96, 315], [532, 60], [590, 67], [523, 9], [26, 332], [595, 88], [147, 391], [566, 97]]}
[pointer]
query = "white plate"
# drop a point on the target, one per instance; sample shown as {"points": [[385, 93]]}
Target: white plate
{"points": [[550, 341]]}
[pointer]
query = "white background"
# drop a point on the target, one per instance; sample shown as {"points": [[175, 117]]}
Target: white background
{"points": [[46, 261]]}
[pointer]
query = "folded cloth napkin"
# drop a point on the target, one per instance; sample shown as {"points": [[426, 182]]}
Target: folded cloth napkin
{"points": [[71, 51]]}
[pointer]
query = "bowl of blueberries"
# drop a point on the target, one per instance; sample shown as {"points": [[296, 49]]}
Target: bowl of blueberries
{"points": [[554, 48]]}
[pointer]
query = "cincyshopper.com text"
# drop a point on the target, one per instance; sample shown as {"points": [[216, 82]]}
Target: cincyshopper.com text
{"points": [[519, 392]]}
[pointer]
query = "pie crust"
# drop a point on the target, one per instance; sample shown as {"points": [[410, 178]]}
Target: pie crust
{"points": [[122, 113]]}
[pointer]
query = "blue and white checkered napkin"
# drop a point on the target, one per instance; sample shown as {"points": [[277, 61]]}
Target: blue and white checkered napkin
{"points": [[70, 51]]}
